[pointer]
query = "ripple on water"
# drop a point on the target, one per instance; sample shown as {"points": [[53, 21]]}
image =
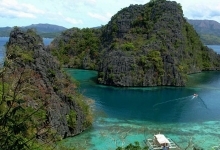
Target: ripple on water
{"points": [[126, 115]]}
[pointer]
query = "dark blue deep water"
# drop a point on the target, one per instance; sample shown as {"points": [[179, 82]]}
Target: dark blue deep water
{"points": [[126, 115], [160, 105], [138, 113]]}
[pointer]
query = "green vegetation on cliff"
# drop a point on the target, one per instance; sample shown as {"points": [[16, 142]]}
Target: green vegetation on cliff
{"points": [[210, 39], [142, 45], [78, 48], [39, 102], [158, 26]]}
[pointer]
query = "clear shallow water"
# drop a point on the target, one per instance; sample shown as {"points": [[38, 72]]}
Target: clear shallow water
{"points": [[125, 115]]}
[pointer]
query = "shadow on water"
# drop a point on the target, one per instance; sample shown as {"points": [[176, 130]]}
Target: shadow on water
{"points": [[206, 79], [94, 79], [153, 104], [125, 115]]}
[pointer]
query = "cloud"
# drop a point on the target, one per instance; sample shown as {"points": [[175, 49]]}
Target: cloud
{"points": [[214, 11], [30, 9], [15, 14], [13, 9], [203, 11], [104, 18], [88, 13], [73, 21]]}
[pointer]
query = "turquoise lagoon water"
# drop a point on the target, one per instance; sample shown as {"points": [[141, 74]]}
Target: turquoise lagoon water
{"points": [[126, 115]]}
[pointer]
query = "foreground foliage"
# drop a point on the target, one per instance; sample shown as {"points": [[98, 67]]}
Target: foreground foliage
{"points": [[135, 146], [39, 103], [22, 116]]}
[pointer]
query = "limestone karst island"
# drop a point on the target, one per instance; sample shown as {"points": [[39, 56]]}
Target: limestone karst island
{"points": [[141, 46]]}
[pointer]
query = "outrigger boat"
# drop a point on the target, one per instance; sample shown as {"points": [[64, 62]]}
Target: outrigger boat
{"points": [[160, 142]]}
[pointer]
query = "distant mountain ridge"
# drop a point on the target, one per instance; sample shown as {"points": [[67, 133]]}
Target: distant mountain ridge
{"points": [[209, 30], [44, 30], [206, 26], [46, 27]]}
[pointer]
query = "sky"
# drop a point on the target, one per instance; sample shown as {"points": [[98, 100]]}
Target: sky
{"points": [[88, 13]]}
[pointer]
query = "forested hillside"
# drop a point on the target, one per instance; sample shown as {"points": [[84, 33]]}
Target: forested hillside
{"points": [[78, 48], [142, 45]]}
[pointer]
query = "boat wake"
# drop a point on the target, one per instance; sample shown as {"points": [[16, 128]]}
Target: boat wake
{"points": [[191, 97], [177, 99]]}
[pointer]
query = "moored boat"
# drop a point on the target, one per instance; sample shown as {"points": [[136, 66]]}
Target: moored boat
{"points": [[160, 142]]}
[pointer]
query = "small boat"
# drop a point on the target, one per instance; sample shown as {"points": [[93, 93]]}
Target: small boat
{"points": [[195, 96], [160, 142]]}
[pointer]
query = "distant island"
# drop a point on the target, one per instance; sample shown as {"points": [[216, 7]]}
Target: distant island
{"points": [[141, 46], [44, 30], [208, 30]]}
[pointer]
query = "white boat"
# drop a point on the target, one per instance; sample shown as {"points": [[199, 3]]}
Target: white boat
{"points": [[160, 142]]}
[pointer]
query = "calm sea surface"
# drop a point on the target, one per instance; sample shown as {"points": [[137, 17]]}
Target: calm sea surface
{"points": [[126, 115]]}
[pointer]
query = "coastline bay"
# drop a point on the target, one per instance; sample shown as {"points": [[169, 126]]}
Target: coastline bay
{"points": [[126, 115]]}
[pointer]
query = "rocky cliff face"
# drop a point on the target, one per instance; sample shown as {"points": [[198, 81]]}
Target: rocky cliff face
{"points": [[150, 45], [142, 45], [67, 114]]}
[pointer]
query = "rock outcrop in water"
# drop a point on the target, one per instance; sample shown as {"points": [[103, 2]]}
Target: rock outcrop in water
{"points": [[143, 45], [66, 112]]}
